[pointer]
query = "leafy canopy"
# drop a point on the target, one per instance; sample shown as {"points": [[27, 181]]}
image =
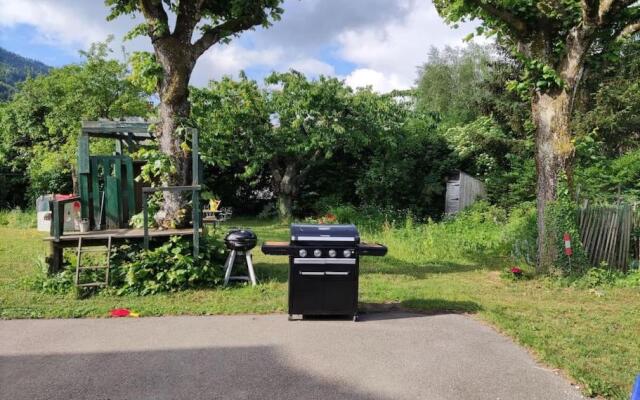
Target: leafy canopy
{"points": [[541, 32], [217, 20]]}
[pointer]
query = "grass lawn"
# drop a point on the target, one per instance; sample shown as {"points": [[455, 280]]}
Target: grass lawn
{"points": [[593, 336]]}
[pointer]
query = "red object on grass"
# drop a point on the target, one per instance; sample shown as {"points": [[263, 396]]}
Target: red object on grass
{"points": [[120, 312], [516, 271]]}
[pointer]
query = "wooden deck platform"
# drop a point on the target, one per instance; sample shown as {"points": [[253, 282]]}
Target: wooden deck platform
{"points": [[98, 238], [119, 234]]}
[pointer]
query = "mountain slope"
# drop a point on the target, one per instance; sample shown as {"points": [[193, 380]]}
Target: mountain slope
{"points": [[15, 69]]}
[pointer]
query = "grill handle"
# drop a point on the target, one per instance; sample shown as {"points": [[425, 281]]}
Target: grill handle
{"points": [[312, 273], [337, 273]]}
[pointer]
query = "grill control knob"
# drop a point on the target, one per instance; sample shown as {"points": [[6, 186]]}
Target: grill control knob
{"points": [[346, 253], [317, 252], [332, 253], [302, 253]]}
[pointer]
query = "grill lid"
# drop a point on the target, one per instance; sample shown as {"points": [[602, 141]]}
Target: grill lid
{"points": [[319, 233], [240, 239]]}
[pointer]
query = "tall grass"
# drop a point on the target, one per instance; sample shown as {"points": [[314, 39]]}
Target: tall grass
{"points": [[23, 219], [482, 234]]}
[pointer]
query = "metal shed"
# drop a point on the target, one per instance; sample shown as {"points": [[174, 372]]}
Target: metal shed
{"points": [[462, 191]]}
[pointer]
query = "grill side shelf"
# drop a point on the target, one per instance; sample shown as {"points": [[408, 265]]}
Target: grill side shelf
{"points": [[372, 249], [276, 248]]}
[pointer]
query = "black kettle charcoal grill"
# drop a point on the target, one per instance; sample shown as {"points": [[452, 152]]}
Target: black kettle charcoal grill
{"points": [[240, 242], [324, 268]]}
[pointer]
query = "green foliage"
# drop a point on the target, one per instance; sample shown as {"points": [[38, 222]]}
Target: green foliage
{"points": [[167, 268], [58, 283], [39, 126], [146, 72], [231, 115], [291, 129], [561, 218], [156, 167], [450, 83], [536, 76], [599, 279], [211, 15], [610, 105], [488, 128], [479, 145]]}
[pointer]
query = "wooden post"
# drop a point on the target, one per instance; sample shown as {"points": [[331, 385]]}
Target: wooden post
{"points": [[195, 194], [55, 259], [145, 222]]}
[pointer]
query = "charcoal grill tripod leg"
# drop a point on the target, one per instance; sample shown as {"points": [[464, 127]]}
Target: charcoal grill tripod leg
{"points": [[230, 261], [252, 273]]}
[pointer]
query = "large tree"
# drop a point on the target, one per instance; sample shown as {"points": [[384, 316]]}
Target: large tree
{"points": [[553, 39], [291, 127], [177, 50]]}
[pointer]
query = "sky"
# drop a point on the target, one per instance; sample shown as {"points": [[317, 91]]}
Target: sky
{"points": [[378, 43]]}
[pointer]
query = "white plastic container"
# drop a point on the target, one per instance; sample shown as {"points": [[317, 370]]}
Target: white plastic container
{"points": [[71, 215]]}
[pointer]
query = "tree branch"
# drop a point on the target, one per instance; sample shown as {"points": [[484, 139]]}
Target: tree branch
{"points": [[516, 24], [224, 30], [188, 15], [630, 30], [590, 11], [610, 8], [156, 17]]}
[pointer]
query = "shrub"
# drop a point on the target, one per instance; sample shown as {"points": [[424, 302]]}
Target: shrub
{"points": [[561, 218], [167, 268]]}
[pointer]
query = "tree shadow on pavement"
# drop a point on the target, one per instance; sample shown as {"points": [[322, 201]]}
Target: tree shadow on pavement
{"points": [[411, 308], [256, 372]]}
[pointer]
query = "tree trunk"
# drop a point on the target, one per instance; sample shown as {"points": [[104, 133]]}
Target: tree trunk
{"points": [[174, 110], [551, 113], [554, 151], [286, 189], [285, 204]]}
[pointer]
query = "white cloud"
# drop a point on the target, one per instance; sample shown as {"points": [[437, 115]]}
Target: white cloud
{"points": [[56, 22], [368, 42], [390, 53], [312, 67], [231, 59], [363, 77]]}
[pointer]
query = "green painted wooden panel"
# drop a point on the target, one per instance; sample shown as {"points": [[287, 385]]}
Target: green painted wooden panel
{"points": [[85, 197], [83, 154], [95, 192], [131, 191], [112, 200], [117, 170]]}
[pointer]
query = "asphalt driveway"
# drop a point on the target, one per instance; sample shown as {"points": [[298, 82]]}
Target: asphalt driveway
{"points": [[385, 356]]}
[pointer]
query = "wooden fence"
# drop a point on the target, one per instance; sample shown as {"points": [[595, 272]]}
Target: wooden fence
{"points": [[606, 233]]}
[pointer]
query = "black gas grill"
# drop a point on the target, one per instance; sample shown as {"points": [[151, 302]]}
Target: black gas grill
{"points": [[324, 268]]}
